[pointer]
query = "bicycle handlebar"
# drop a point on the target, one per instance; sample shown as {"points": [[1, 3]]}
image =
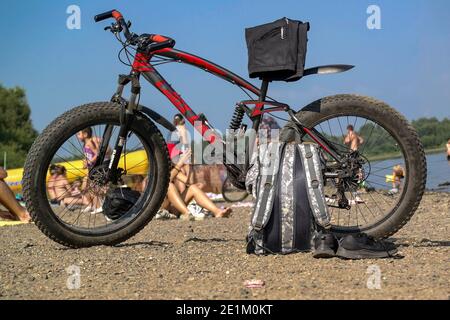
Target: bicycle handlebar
{"points": [[108, 14], [158, 42], [119, 18]]}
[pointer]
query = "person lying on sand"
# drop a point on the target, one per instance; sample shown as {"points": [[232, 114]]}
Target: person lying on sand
{"points": [[8, 200], [176, 201]]}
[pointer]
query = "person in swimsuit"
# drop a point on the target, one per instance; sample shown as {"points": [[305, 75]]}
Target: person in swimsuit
{"points": [[448, 150], [177, 201], [139, 182], [61, 192], [91, 146], [91, 149], [182, 145], [352, 138], [8, 200], [398, 173]]}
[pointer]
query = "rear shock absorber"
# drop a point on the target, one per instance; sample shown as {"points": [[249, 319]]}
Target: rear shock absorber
{"points": [[238, 115], [236, 172]]}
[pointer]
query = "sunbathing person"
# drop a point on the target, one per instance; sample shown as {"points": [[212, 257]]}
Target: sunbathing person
{"points": [[61, 192], [176, 201], [353, 139], [139, 182], [178, 143], [8, 200], [76, 185]]}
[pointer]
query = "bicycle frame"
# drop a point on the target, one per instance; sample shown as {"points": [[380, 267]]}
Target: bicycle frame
{"points": [[142, 66]]}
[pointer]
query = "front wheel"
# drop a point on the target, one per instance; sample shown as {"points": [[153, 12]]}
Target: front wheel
{"points": [[65, 196], [387, 189]]}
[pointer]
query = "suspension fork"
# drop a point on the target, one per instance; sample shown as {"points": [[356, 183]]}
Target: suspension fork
{"points": [[126, 120]]}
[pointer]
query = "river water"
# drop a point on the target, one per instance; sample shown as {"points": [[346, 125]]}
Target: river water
{"points": [[437, 166]]}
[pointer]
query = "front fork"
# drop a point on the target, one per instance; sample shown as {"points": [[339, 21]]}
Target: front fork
{"points": [[127, 116]]}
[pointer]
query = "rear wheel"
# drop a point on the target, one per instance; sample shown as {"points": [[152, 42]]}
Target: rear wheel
{"points": [[66, 203], [389, 141]]}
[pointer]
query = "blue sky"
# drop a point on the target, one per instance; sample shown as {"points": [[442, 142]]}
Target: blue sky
{"points": [[406, 63]]}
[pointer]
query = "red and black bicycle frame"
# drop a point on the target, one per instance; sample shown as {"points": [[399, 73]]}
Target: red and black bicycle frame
{"points": [[142, 67]]}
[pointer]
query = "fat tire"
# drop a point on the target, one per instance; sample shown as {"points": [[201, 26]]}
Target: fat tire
{"points": [[398, 127], [37, 158]]}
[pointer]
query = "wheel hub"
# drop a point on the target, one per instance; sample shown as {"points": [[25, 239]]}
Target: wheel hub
{"points": [[100, 176]]}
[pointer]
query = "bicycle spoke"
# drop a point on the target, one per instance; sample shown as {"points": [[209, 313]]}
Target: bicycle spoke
{"points": [[367, 141], [76, 211], [380, 169], [65, 161], [67, 207], [368, 206], [381, 196], [137, 165], [329, 128], [360, 211], [377, 175], [342, 131], [377, 183]]}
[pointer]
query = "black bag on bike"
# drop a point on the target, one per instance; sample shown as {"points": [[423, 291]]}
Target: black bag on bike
{"points": [[290, 202], [119, 201], [277, 50]]}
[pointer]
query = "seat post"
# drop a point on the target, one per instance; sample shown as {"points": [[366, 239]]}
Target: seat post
{"points": [[256, 122], [262, 97], [263, 91]]}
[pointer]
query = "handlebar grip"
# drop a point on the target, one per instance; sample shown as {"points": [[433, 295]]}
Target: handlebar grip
{"points": [[169, 43], [108, 14], [103, 16]]}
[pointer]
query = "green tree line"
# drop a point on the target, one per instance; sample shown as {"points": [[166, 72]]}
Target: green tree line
{"points": [[433, 133], [16, 130]]}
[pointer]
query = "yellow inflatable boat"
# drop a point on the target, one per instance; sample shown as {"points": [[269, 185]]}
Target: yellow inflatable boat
{"points": [[137, 163]]}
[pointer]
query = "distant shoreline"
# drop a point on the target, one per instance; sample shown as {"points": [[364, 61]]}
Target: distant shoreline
{"points": [[397, 155]]}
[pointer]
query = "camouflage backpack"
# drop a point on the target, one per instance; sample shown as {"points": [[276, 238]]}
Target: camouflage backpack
{"points": [[287, 183]]}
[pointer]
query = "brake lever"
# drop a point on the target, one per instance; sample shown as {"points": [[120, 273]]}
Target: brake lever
{"points": [[114, 28]]}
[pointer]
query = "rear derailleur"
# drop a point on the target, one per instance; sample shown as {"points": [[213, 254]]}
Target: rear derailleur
{"points": [[346, 177]]}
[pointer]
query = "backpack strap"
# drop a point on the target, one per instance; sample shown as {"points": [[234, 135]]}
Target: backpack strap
{"points": [[286, 197], [268, 173], [313, 172]]}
